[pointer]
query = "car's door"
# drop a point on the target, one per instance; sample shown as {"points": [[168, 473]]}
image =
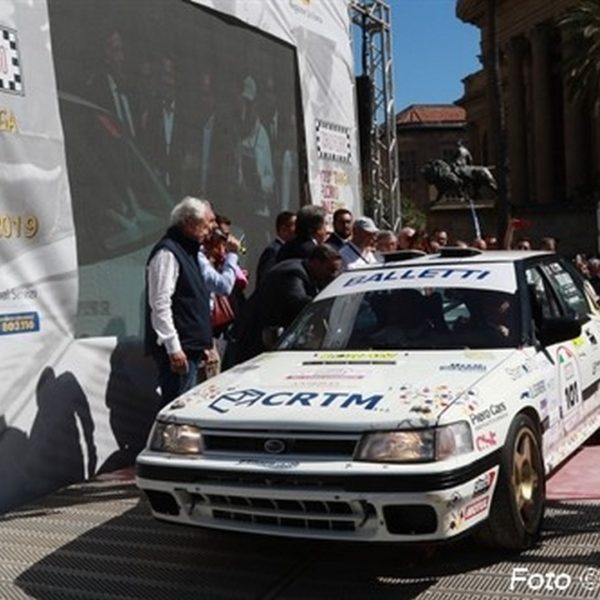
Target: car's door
{"points": [[548, 395], [575, 358]]}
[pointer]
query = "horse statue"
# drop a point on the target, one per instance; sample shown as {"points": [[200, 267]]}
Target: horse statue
{"points": [[457, 179]]}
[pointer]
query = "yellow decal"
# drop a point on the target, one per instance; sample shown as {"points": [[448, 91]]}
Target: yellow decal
{"points": [[357, 355], [17, 226], [8, 121], [479, 354]]}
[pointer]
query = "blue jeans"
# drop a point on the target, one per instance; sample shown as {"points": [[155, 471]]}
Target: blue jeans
{"points": [[173, 384]]}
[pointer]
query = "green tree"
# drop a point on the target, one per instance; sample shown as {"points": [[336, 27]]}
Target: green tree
{"points": [[412, 216], [580, 26]]}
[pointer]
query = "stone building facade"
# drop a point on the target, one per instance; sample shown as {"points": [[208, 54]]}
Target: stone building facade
{"points": [[426, 132], [553, 144]]}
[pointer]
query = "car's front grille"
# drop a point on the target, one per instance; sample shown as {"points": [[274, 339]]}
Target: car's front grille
{"points": [[300, 445], [284, 512]]}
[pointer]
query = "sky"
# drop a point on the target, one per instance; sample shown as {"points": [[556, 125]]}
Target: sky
{"points": [[433, 52]]}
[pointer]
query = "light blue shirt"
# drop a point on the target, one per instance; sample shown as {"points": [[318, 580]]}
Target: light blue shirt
{"points": [[219, 282]]}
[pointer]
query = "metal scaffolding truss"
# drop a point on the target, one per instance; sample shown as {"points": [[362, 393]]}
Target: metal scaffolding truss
{"points": [[382, 181]]}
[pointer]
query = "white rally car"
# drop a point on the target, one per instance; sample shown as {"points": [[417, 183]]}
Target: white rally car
{"points": [[410, 401]]}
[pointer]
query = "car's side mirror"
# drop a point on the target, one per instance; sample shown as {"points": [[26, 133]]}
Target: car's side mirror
{"points": [[270, 337], [558, 329]]}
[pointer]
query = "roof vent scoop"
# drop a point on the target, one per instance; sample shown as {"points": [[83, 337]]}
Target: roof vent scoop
{"points": [[399, 255], [457, 252]]}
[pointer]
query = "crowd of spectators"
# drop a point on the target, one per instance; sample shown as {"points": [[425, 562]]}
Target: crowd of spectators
{"points": [[304, 256]]}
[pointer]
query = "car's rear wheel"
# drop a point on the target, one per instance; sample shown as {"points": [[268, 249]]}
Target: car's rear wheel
{"points": [[517, 511]]}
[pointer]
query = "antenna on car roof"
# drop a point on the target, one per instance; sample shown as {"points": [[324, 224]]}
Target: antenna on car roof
{"points": [[399, 255], [457, 251]]}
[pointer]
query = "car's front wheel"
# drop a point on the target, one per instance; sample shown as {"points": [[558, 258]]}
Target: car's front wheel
{"points": [[517, 509]]}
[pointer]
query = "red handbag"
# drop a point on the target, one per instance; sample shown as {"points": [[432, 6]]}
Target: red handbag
{"points": [[222, 314]]}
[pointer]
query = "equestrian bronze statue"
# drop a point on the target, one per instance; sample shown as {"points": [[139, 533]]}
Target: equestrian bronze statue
{"points": [[459, 178]]}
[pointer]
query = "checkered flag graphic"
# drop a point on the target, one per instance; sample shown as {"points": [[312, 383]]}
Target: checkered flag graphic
{"points": [[333, 141], [11, 78]]}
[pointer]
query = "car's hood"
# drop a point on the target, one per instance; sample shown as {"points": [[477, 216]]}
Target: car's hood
{"points": [[336, 390]]}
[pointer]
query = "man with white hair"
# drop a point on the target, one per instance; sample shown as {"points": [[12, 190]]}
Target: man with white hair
{"points": [[358, 252], [178, 327]]}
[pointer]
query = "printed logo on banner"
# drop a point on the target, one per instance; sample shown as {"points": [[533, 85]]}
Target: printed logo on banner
{"points": [[11, 78], [333, 141], [304, 8], [19, 323]]}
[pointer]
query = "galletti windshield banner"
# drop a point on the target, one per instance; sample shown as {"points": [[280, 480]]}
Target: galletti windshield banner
{"points": [[111, 111]]}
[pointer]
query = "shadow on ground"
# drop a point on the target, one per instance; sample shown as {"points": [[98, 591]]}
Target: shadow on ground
{"points": [[134, 556]]}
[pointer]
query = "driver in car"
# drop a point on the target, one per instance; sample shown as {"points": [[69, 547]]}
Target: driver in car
{"points": [[491, 319]]}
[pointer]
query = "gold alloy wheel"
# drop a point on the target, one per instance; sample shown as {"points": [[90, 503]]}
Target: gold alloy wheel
{"points": [[525, 476]]}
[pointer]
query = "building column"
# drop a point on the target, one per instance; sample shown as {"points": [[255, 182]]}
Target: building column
{"points": [[542, 115], [517, 122], [576, 160], [576, 150]]}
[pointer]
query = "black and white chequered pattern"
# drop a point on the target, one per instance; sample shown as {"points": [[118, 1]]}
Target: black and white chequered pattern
{"points": [[322, 152], [11, 77]]}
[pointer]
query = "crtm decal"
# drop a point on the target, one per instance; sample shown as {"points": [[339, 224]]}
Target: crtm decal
{"points": [[251, 397]]}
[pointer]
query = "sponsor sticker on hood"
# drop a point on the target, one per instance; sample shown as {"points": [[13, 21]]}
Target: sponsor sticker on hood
{"points": [[246, 398]]}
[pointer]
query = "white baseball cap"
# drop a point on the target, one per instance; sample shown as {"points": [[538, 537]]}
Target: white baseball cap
{"points": [[366, 224]]}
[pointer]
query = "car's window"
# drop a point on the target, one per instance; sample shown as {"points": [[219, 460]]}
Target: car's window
{"points": [[541, 297], [416, 318], [567, 289]]}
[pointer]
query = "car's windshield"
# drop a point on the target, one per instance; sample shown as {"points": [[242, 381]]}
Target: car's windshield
{"points": [[417, 319]]}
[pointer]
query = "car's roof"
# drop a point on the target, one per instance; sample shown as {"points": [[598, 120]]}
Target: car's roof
{"points": [[487, 256], [453, 267]]}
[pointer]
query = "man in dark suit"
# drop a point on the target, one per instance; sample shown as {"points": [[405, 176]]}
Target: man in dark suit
{"points": [[286, 289], [285, 226], [342, 228], [109, 87], [164, 130], [310, 231]]}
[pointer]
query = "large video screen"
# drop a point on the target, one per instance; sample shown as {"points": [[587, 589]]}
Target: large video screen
{"points": [[161, 99]]}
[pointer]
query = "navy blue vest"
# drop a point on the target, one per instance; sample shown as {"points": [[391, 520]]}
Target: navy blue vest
{"points": [[190, 301]]}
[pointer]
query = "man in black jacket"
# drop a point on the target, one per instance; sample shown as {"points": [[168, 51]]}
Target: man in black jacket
{"points": [[285, 291], [342, 228], [178, 328], [285, 225], [311, 230]]}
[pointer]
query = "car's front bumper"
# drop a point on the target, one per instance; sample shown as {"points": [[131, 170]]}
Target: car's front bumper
{"points": [[298, 500]]}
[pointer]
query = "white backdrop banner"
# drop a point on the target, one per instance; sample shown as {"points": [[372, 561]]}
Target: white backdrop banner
{"points": [[110, 112]]}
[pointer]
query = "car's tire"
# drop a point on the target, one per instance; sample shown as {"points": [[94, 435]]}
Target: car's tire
{"points": [[517, 510]]}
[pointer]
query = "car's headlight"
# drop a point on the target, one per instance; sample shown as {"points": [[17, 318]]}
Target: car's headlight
{"points": [[418, 445], [176, 438], [397, 446], [453, 440]]}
